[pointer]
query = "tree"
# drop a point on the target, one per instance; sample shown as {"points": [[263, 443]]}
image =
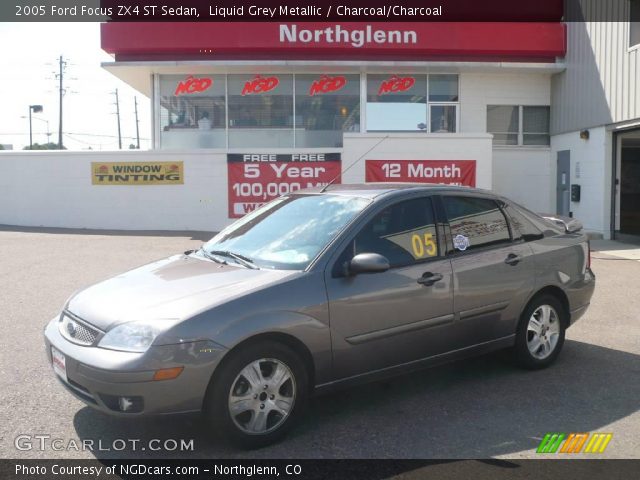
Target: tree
{"points": [[1, 147], [44, 146]]}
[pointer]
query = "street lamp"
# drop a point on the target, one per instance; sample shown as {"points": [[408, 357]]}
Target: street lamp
{"points": [[45, 121], [34, 109]]}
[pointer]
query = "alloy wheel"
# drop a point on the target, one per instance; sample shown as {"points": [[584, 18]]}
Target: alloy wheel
{"points": [[543, 331], [262, 396]]}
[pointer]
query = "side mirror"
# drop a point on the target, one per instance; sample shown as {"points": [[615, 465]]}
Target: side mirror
{"points": [[368, 263]]}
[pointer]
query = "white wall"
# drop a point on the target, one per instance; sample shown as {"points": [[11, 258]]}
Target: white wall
{"points": [[601, 83], [523, 174], [526, 176], [53, 189], [416, 146], [590, 168], [477, 90]]}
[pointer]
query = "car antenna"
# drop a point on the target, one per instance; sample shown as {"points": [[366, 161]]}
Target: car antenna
{"points": [[353, 164]]}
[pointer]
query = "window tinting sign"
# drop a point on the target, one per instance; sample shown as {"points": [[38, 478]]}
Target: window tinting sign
{"points": [[260, 85], [396, 84], [137, 173], [192, 84], [327, 84], [461, 242], [255, 178]]}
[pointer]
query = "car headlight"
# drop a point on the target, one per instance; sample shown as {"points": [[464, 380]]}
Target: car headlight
{"points": [[134, 336]]}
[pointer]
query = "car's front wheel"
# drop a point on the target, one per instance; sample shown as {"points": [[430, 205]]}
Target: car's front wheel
{"points": [[256, 397], [540, 334]]}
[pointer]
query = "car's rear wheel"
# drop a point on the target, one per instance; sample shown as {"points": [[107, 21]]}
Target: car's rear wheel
{"points": [[540, 334], [258, 394]]}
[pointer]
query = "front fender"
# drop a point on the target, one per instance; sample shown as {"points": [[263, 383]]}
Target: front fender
{"points": [[309, 331], [297, 307]]}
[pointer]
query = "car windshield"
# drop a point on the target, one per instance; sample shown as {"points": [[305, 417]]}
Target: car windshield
{"points": [[288, 233]]}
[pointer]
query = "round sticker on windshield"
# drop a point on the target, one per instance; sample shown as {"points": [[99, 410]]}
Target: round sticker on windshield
{"points": [[461, 242]]}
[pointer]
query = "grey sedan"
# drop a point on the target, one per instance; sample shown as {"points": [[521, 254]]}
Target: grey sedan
{"points": [[321, 289]]}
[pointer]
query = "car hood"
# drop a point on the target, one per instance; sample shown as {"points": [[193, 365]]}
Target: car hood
{"points": [[174, 288]]}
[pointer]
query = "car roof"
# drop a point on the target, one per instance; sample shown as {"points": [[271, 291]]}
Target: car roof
{"points": [[373, 190]]}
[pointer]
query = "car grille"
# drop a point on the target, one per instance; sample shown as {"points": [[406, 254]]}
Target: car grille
{"points": [[77, 331]]}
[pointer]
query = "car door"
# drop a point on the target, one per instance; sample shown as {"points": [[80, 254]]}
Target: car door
{"points": [[388, 318], [493, 270]]}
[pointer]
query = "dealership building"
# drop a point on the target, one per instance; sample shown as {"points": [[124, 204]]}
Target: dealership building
{"points": [[546, 113]]}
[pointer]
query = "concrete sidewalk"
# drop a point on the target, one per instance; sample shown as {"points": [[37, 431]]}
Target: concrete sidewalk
{"points": [[627, 251]]}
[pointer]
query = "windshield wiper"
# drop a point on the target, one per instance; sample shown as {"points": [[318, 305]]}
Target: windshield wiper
{"points": [[241, 259], [212, 257]]}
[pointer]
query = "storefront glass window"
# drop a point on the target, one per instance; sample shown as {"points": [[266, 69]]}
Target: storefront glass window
{"points": [[443, 88], [396, 103], [326, 106], [518, 125], [412, 103], [502, 121], [443, 118], [535, 126], [260, 110], [192, 111]]}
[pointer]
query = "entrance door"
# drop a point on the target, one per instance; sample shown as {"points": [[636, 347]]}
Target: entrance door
{"points": [[630, 183], [563, 181]]}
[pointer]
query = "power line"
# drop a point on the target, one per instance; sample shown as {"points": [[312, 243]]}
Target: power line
{"points": [[88, 143], [108, 136], [76, 133]]}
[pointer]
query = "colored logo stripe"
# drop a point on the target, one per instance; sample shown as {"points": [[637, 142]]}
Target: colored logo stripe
{"points": [[550, 443], [598, 442], [574, 442]]}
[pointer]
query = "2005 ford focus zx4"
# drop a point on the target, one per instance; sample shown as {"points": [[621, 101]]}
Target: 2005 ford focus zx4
{"points": [[319, 289]]}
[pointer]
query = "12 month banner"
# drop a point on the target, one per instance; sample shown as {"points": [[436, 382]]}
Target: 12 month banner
{"points": [[137, 173], [448, 172], [256, 178]]}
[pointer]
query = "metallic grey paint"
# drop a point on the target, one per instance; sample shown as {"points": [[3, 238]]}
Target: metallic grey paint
{"points": [[347, 327]]}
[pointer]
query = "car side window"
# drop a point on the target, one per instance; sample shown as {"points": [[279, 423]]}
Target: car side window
{"points": [[475, 222], [523, 227], [404, 233]]}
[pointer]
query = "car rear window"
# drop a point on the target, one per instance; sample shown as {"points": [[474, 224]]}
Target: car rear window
{"points": [[475, 222], [523, 227]]}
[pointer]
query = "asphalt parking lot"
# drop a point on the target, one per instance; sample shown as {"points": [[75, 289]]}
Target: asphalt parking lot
{"points": [[477, 408]]}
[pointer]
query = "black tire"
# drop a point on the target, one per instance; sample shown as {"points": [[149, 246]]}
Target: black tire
{"points": [[217, 399], [523, 355]]}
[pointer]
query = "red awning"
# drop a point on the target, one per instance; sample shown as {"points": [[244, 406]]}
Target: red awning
{"points": [[468, 41]]}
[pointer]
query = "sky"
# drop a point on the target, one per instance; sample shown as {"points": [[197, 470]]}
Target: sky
{"points": [[30, 53]]}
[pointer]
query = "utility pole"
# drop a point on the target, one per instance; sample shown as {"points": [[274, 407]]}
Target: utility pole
{"points": [[118, 117], [135, 103], [62, 64]]}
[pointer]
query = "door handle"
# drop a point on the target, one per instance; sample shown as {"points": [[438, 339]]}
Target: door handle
{"points": [[428, 278], [512, 259]]}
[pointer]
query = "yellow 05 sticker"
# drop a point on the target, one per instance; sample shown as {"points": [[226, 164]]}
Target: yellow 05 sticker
{"points": [[423, 245], [420, 243]]}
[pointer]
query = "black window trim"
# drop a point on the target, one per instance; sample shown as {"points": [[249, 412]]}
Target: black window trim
{"points": [[371, 213]]}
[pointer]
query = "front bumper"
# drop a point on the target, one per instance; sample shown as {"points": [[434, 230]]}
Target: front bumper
{"points": [[100, 377]]}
